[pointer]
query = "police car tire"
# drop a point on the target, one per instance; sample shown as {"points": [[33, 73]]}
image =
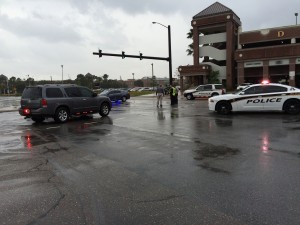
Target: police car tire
{"points": [[292, 106], [223, 108], [214, 94], [189, 97]]}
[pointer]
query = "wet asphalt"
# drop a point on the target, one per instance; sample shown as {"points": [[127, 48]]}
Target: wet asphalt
{"points": [[147, 165]]}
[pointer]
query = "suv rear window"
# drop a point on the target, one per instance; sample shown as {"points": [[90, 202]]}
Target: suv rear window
{"points": [[73, 92], [32, 93], [54, 93]]}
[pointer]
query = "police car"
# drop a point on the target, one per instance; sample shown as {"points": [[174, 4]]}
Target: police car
{"points": [[204, 91], [258, 97]]}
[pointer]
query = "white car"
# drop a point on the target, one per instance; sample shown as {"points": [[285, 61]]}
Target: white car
{"points": [[258, 97], [242, 86], [204, 91]]}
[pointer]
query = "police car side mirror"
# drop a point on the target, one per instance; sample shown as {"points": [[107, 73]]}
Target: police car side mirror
{"points": [[242, 93]]}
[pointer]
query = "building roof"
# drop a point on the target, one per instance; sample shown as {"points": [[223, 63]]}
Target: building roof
{"points": [[214, 9]]}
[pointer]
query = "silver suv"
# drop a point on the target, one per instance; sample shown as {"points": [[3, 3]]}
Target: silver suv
{"points": [[61, 101], [204, 91]]}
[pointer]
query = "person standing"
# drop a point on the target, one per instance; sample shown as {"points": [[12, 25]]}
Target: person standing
{"points": [[159, 94], [173, 95]]}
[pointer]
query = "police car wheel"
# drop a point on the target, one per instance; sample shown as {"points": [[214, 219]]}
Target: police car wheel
{"points": [[214, 94], [189, 97], [292, 106], [223, 108]]}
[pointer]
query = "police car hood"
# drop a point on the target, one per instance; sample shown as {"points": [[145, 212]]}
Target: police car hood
{"points": [[224, 97], [189, 91]]}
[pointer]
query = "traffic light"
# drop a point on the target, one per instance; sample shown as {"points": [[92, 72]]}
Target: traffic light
{"points": [[141, 56], [123, 55], [100, 53]]}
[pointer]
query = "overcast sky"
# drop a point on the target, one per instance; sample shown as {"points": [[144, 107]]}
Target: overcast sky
{"points": [[38, 36]]}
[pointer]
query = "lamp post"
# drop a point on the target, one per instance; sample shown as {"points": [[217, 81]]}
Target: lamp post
{"points": [[62, 74], [133, 79], [170, 50], [296, 14], [152, 78]]}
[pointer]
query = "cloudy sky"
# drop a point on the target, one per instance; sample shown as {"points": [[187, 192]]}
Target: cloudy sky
{"points": [[38, 36]]}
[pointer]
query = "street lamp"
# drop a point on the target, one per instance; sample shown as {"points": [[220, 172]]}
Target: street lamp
{"points": [[170, 51], [62, 74], [152, 77], [7, 86], [133, 78], [296, 14]]}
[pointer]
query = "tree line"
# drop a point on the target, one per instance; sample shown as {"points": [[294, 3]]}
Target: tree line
{"points": [[15, 85]]}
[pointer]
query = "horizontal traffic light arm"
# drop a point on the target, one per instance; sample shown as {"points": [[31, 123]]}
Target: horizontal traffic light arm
{"points": [[123, 55]]}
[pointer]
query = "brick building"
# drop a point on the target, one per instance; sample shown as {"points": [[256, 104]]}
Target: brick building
{"points": [[220, 45]]}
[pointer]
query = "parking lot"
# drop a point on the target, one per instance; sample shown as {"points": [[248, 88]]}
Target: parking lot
{"points": [[147, 165]]}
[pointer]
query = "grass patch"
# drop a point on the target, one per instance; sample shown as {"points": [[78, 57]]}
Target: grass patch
{"points": [[139, 93]]}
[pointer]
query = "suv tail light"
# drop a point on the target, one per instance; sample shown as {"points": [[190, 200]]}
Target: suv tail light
{"points": [[44, 102], [26, 111]]}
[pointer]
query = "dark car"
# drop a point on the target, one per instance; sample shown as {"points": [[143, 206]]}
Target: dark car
{"points": [[116, 94], [60, 101]]}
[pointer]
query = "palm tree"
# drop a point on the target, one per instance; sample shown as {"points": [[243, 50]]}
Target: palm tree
{"points": [[190, 50]]}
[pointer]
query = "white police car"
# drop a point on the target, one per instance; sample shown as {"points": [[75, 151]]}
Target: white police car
{"points": [[204, 91], [258, 97]]}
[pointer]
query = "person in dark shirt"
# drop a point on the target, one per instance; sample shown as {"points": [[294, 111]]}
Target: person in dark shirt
{"points": [[159, 93]]}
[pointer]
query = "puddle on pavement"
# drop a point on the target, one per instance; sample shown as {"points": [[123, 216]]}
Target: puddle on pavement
{"points": [[223, 123], [207, 166], [213, 151], [54, 148], [10, 143]]}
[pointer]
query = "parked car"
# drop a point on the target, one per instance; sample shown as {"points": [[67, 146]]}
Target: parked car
{"points": [[146, 89], [204, 90], [259, 97], [61, 101], [135, 89], [116, 94], [242, 86]]}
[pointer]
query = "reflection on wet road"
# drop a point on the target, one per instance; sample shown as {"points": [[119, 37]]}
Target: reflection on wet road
{"points": [[145, 162]]}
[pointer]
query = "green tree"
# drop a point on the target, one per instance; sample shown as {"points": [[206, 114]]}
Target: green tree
{"points": [[105, 77], [138, 83], [190, 50], [12, 84], [20, 85], [213, 77], [3, 84]]}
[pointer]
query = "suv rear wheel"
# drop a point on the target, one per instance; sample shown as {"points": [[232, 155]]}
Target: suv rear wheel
{"points": [[124, 99], [104, 109], [61, 115]]}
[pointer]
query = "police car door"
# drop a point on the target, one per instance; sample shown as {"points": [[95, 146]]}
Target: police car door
{"points": [[198, 92], [208, 88], [203, 91], [250, 99], [274, 97]]}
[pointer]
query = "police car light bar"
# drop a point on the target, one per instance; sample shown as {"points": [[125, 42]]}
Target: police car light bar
{"points": [[265, 82]]}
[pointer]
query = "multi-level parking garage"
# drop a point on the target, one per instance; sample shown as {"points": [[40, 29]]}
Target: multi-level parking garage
{"points": [[220, 45]]}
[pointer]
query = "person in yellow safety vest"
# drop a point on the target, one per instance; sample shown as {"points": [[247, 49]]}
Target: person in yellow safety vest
{"points": [[174, 95]]}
